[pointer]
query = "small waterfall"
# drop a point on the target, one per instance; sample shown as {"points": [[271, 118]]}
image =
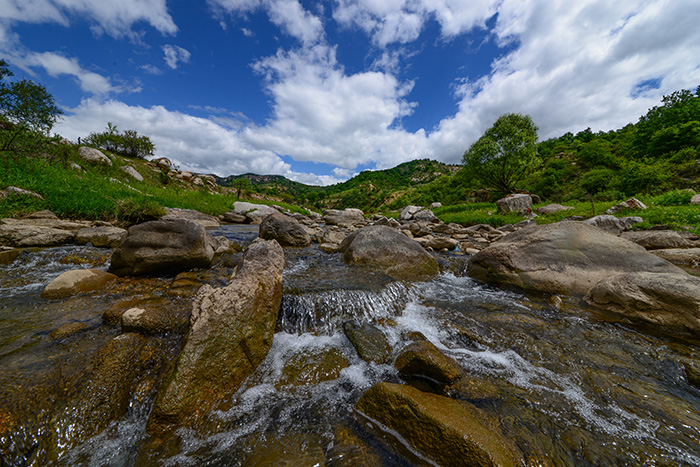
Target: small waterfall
{"points": [[325, 312]]}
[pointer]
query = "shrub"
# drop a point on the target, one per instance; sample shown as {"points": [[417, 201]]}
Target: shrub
{"points": [[128, 144], [675, 198]]}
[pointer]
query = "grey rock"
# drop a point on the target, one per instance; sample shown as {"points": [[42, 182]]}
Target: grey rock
{"points": [[132, 172], [94, 155], [660, 239], [613, 224], [632, 203], [408, 212], [255, 213], [552, 208], [563, 258], [285, 229], [369, 341], [106, 236], [162, 246], [514, 203], [205, 220], [347, 217]]}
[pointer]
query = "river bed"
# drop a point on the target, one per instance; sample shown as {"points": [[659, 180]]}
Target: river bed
{"points": [[566, 385]]}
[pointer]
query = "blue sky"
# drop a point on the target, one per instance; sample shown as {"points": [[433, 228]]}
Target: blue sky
{"points": [[319, 90]]}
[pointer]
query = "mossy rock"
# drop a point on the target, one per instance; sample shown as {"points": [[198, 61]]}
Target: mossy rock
{"points": [[449, 432], [314, 367], [369, 341]]}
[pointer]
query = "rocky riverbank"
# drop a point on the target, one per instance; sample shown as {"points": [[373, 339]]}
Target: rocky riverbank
{"points": [[188, 348]]}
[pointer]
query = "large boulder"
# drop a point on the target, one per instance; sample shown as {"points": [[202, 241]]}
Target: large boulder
{"points": [[132, 172], [668, 301], [391, 252], [162, 246], [254, 213], [684, 257], [422, 359], [94, 155], [78, 282], [565, 258], [408, 212], [205, 220], [285, 229], [449, 432], [230, 335], [345, 218], [514, 203], [661, 239], [27, 235]]}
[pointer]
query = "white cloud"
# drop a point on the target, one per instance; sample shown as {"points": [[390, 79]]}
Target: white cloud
{"points": [[56, 65], [289, 15], [115, 18], [192, 143], [174, 54]]}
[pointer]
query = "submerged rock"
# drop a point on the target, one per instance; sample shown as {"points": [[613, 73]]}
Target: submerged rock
{"points": [[389, 251], [671, 301], [449, 432], [163, 246], [564, 258], [313, 367], [231, 333], [285, 229], [422, 359], [76, 282], [369, 341]]}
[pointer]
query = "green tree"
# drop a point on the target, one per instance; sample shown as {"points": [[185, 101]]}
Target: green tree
{"points": [[505, 154], [26, 106], [242, 186]]}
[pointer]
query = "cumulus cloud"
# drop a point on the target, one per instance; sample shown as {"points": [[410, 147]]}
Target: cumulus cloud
{"points": [[192, 143], [174, 54], [113, 18], [56, 65], [289, 15]]}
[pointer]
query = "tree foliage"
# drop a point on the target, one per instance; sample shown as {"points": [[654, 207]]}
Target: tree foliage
{"points": [[128, 143], [505, 154], [25, 106]]}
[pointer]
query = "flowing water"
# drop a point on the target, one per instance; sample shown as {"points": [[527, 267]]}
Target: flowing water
{"points": [[566, 385]]}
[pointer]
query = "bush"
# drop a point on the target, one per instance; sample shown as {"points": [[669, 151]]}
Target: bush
{"points": [[128, 144], [675, 198], [597, 180]]}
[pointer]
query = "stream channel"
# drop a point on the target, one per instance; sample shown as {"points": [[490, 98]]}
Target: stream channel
{"points": [[566, 385]]}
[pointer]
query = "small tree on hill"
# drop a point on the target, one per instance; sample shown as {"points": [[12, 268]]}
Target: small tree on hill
{"points": [[26, 106], [505, 153]]}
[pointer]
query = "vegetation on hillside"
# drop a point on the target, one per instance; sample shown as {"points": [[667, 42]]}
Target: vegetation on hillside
{"points": [[128, 144]]}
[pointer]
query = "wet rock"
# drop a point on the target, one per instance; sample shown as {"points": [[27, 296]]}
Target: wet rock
{"points": [[132, 172], [205, 220], [345, 218], [163, 246], [8, 256], [313, 367], [94, 156], [564, 258], [329, 247], [222, 245], [474, 389], [514, 203], [369, 341], [439, 243], [422, 359], [613, 224], [552, 208], [150, 321], [78, 282], [104, 394], [290, 449], [113, 315], [386, 249], [333, 235], [692, 372], [230, 335], [661, 239], [67, 330], [105, 236], [684, 257], [285, 229], [449, 432], [254, 213], [632, 203], [669, 301]]}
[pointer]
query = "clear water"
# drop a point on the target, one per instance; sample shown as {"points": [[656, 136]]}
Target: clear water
{"points": [[572, 388]]}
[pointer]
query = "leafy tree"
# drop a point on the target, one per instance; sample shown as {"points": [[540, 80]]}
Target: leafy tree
{"points": [[505, 153], [27, 106], [242, 186], [128, 144]]}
